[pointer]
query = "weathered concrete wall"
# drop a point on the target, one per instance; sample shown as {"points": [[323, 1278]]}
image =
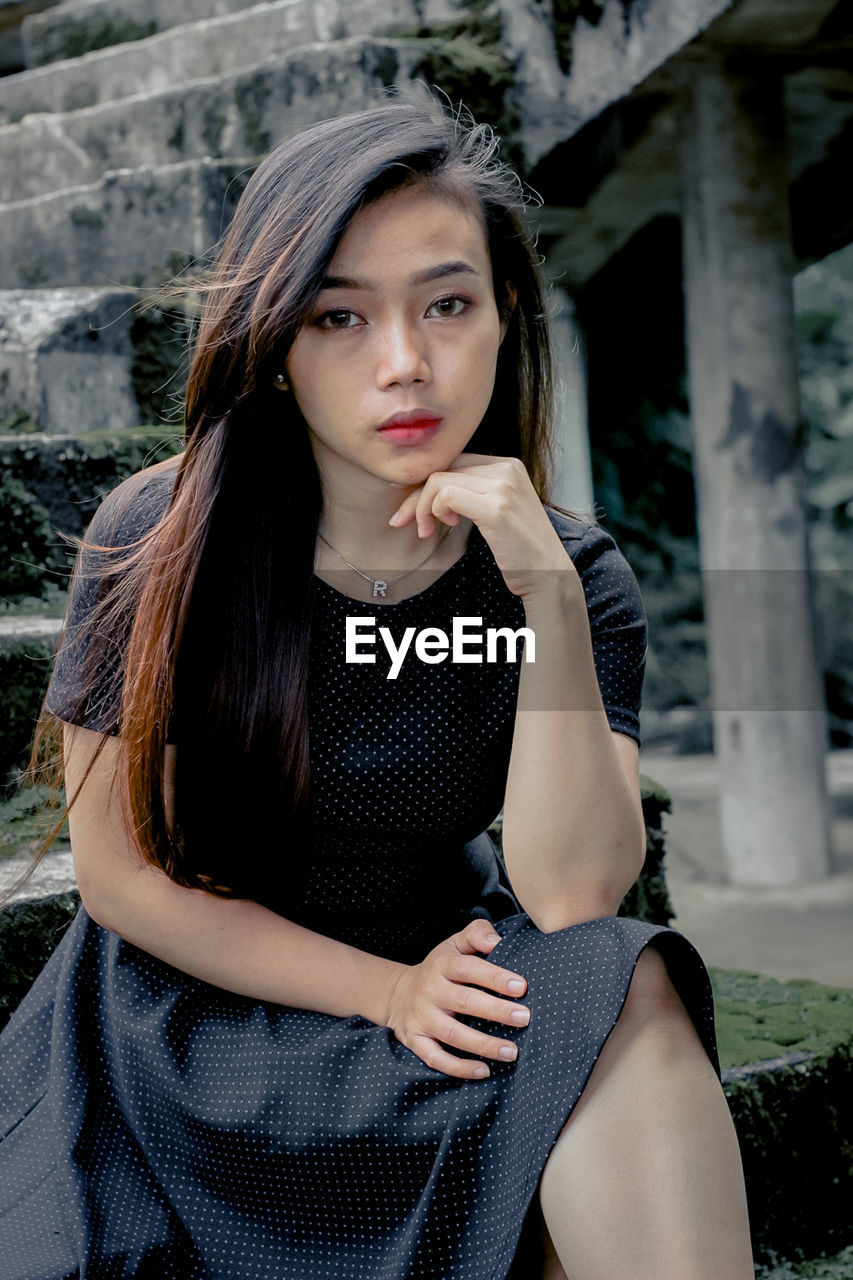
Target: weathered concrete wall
{"points": [[577, 60], [66, 357], [134, 226], [243, 114], [210, 47], [79, 26]]}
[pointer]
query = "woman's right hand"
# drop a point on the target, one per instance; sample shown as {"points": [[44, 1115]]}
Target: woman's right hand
{"points": [[428, 995]]}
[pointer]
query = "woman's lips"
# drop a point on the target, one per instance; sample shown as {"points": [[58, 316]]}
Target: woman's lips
{"points": [[415, 432]]}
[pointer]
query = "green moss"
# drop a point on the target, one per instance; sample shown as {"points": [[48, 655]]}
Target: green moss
{"points": [[84, 37], [29, 932], [650, 790], [160, 363], [49, 484], [18, 420], [24, 673], [25, 538], [759, 1017], [26, 818]]}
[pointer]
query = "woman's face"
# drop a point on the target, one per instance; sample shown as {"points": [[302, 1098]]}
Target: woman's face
{"points": [[406, 324]]}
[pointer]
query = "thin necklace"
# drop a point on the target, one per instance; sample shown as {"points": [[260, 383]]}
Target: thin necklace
{"points": [[380, 585]]}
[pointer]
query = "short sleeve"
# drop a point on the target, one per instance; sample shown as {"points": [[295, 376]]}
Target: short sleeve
{"points": [[617, 620], [131, 509]]}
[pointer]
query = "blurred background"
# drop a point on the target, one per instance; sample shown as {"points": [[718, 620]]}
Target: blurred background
{"points": [[689, 167]]}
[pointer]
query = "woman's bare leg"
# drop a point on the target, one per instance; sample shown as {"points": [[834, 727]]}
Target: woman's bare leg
{"points": [[645, 1181]]}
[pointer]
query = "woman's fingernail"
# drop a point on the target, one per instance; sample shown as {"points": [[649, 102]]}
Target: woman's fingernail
{"points": [[480, 1073], [520, 1017], [493, 937], [515, 985], [394, 518]]}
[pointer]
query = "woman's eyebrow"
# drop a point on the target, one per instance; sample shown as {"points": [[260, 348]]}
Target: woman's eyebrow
{"points": [[420, 277]]}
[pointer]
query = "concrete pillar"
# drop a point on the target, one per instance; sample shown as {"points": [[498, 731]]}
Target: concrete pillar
{"points": [[572, 485], [767, 695]]}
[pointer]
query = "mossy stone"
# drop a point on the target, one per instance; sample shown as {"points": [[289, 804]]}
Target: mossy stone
{"points": [[786, 1049], [83, 37], [29, 933]]}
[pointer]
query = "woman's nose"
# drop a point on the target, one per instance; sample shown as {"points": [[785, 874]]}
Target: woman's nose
{"points": [[402, 356]]}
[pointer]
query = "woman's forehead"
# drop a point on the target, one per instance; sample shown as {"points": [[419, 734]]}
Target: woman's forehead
{"points": [[408, 229]]}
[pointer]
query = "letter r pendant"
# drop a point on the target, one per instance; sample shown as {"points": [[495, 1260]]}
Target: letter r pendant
{"points": [[379, 587]]}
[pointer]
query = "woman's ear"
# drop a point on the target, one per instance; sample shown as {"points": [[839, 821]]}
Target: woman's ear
{"points": [[507, 306]]}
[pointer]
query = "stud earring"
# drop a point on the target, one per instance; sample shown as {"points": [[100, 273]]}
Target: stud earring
{"points": [[281, 382]]}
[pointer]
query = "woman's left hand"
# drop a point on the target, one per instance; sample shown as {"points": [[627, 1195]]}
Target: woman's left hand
{"points": [[498, 495]]}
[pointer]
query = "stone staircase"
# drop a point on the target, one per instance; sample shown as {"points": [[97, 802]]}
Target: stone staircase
{"points": [[211, 46], [155, 128]]}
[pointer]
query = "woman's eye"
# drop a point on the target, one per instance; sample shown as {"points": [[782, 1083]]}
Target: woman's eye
{"points": [[450, 306], [340, 318]]}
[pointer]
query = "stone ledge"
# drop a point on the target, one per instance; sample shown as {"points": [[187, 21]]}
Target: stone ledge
{"points": [[244, 113], [66, 358], [75, 28], [133, 226], [214, 46], [787, 1055]]}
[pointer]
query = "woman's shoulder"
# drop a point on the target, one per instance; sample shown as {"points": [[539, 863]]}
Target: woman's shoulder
{"points": [[135, 505], [608, 580], [579, 535], [570, 528]]}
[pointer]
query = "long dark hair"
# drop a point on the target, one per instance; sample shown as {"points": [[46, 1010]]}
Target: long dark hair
{"points": [[216, 597]]}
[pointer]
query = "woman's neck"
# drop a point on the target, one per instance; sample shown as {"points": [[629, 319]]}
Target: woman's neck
{"points": [[355, 521], [389, 550]]}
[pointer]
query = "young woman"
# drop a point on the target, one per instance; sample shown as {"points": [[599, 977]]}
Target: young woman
{"points": [[304, 1023]]}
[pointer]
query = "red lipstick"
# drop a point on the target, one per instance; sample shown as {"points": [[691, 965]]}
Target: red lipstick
{"points": [[414, 427]]}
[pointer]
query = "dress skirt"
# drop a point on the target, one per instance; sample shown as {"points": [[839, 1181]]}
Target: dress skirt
{"points": [[157, 1126]]}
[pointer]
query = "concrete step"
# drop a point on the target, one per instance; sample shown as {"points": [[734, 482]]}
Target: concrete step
{"points": [[244, 113], [133, 226], [79, 26], [67, 358], [12, 14], [209, 47]]}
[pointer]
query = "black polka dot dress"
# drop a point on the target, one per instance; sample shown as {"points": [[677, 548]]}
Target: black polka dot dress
{"points": [[154, 1125]]}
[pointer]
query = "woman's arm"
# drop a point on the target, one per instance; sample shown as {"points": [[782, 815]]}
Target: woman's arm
{"points": [[573, 830], [236, 944], [241, 946]]}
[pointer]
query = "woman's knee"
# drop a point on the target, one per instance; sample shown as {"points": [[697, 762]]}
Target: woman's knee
{"points": [[651, 992]]}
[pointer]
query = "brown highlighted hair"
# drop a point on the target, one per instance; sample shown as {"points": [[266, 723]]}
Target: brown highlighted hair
{"points": [[206, 618]]}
